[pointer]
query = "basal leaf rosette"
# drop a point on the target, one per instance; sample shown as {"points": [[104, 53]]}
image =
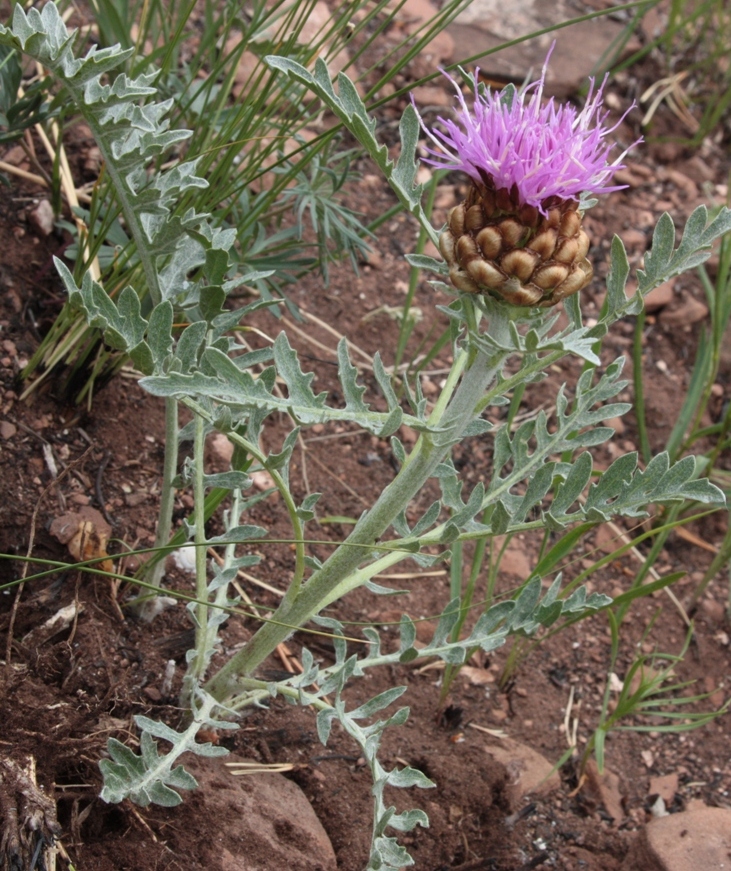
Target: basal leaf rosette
{"points": [[518, 235]]}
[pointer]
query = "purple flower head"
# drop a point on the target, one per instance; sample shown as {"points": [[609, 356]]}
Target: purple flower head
{"points": [[550, 150]]}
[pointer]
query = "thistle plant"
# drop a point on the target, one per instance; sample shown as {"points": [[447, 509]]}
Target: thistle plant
{"points": [[541, 472]]}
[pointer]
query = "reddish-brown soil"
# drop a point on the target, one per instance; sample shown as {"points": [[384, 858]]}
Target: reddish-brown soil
{"points": [[62, 697]]}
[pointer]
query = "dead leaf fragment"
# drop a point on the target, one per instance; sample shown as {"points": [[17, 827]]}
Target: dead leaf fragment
{"points": [[477, 676], [85, 534]]}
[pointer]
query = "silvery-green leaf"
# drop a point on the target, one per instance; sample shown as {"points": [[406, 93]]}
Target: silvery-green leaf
{"points": [[422, 261]]}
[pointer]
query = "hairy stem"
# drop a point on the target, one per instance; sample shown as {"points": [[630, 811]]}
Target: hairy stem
{"points": [[321, 588], [197, 665]]}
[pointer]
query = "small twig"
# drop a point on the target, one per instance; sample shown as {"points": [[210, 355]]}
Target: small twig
{"points": [[496, 733], [133, 810], [571, 732], [247, 577], [335, 435], [286, 658], [21, 173], [367, 361], [259, 767], [98, 486]]}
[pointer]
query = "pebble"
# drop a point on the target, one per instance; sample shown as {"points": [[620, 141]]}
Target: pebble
{"points": [[689, 312], [634, 239], [268, 805], [42, 218], [407, 434], [262, 480], [428, 386], [414, 13], [7, 429], [528, 771], [696, 840], [429, 95], [686, 184], [445, 197], [515, 561], [714, 610], [665, 786], [627, 177], [221, 448], [661, 296], [616, 423]]}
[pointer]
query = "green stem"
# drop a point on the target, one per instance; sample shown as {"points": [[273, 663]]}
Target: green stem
{"points": [[197, 666], [430, 450], [639, 385], [415, 275], [279, 482], [199, 494]]}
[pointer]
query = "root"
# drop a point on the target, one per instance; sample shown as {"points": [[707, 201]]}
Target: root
{"points": [[28, 821]]}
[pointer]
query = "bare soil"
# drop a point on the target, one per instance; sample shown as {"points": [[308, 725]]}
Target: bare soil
{"points": [[64, 695]]}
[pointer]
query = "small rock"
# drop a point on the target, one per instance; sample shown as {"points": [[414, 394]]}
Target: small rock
{"points": [[373, 258], [697, 840], [605, 539], [634, 239], [665, 786], [714, 610], [604, 787], [681, 180], [222, 450], [135, 499], [246, 70], [515, 561], [42, 218], [528, 771], [446, 197], [407, 434], [7, 429], [262, 480], [689, 312], [616, 423], [415, 13], [715, 695], [661, 296], [628, 177], [274, 826], [428, 386], [85, 533], [93, 160], [16, 156], [429, 95]]}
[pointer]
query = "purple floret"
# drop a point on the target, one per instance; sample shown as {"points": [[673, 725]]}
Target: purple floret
{"points": [[549, 150]]}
